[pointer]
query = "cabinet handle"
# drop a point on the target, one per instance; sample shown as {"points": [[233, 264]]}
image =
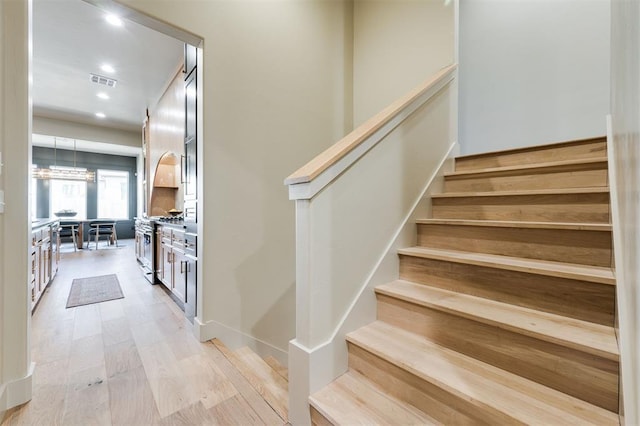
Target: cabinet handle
{"points": [[169, 257], [183, 169], [182, 266]]}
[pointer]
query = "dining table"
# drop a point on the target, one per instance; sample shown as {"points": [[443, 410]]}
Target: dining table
{"points": [[81, 225]]}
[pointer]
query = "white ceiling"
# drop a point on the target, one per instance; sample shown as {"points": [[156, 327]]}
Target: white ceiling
{"points": [[71, 39]]}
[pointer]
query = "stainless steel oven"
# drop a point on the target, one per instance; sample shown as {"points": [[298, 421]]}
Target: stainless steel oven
{"points": [[145, 247]]}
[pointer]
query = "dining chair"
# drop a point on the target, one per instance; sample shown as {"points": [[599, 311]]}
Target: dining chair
{"points": [[69, 229], [102, 228]]}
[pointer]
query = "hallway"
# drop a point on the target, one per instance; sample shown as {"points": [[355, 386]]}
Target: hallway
{"points": [[132, 361]]}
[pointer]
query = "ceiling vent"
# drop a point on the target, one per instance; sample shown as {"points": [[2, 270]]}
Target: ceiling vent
{"points": [[104, 81]]}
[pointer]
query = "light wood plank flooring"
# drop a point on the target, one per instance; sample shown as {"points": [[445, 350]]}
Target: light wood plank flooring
{"points": [[132, 361]]}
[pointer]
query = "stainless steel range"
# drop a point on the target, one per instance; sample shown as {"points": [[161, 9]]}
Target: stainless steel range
{"points": [[146, 247]]}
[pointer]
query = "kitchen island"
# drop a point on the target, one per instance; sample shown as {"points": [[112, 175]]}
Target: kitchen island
{"points": [[45, 256]]}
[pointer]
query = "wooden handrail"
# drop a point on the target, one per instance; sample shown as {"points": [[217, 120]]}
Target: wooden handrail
{"points": [[334, 153]]}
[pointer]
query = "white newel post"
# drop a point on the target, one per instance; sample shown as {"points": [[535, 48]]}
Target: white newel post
{"points": [[311, 301]]}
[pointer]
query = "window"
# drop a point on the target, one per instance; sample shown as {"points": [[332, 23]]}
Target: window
{"points": [[113, 194], [68, 195]]}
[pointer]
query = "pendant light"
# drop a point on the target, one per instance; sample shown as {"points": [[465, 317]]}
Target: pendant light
{"points": [[64, 173]]}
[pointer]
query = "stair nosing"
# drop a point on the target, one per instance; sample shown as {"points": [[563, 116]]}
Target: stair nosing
{"points": [[524, 192], [529, 167], [391, 291], [506, 263], [382, 353], [578, 226]]}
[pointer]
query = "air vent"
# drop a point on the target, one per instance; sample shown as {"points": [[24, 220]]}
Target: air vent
{"points": [[105, 81]]}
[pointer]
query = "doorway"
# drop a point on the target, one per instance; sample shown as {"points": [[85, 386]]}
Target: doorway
{"points": [[14, 216]]}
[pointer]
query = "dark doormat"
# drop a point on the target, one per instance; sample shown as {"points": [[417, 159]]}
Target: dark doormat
{"points": [[86, 291]]}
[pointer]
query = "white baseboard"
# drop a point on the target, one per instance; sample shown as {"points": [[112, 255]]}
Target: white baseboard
{"points": [[18, 391], [235, 339], [3, 402]]}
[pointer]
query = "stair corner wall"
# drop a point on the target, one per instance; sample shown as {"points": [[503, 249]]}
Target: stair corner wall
{"points": [[15, 223], [350, 219], [623, 180]]}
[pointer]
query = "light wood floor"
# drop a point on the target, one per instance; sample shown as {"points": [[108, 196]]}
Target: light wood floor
{"points": [[132, 361]]}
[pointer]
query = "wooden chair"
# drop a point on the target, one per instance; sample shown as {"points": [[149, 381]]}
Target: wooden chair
{"points": [[102, 228], [69, 230]]}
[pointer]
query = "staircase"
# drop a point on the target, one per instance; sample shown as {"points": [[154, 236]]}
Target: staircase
{"points": [[504, 311]]}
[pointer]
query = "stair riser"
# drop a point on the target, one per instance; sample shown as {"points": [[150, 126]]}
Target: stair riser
{"points": [[595, 175], [571, 208], [439, 403], [576, 299], [561, 245], [573, 151], [571, 371], [317, 419]]}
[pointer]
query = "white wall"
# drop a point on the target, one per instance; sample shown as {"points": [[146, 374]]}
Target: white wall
{"points": [[274, 96], [532, 72], [625, 147], [396, 46], [15, 123]]}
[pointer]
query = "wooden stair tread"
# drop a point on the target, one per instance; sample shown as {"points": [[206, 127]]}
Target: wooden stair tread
{"points": [[264, 379], [552, 145], [595, 274], [604, 227], [595, 339], [482, 385], [351, 399], [530, 168], [528, 192]]}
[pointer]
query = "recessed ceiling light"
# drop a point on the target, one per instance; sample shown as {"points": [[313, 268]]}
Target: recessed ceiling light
{"points": [[100, 115], [107, 68], [102, 95], [113, 20]]}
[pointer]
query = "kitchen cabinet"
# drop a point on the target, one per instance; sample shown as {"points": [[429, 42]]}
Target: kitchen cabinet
{"points": [[139, 244], [55, 249], [180, 265], [44, 257], [191, 267], [159, 254], [172, 270], [190, 173]]}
